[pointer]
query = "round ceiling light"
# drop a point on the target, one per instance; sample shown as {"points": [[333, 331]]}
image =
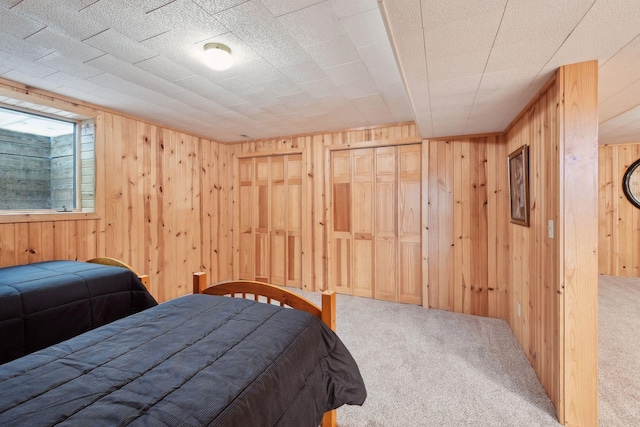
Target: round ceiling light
{"points": [[218, 56]]}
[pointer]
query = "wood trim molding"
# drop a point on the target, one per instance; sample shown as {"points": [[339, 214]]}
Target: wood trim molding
{"points": [[373, 144], [44, 216], [269, 153]]}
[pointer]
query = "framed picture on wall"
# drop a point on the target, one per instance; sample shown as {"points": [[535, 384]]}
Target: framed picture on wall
{"points": [[519, 185]]}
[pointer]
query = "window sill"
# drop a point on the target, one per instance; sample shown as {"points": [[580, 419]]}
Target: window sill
{"points": [[7, 217]]}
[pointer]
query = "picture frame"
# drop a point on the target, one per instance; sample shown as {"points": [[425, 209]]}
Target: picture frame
{"points": [[519, 186]]}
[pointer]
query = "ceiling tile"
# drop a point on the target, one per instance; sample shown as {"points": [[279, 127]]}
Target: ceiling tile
{"points": [[194, 22], [13, 62], [405, 15], [69, 66], [148, 5], [319, 88], [10, 3], [308, 71], [514, 77], [619, 103], [63, 44], [30, 80], [253, 23], [107, 80], [385, 76], [210, 90], [68, 80], [190, 98], [17, 24], [165, 68], [445, 88], [457, 67], [526, 22], [58, 15], [461, 37], [333, 52], [345, 9], [120, 46], [313, 25], [134, 75], [258, 71], [378, 55], [215, 6], [346, 73], [283, 7], [605, 28], [183, 108], [21, 48], [437, 14], [366, 28], [359, 89], [131, 21], [622, 70]]}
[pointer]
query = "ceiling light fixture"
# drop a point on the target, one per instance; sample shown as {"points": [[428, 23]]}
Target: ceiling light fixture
{"points": [[218, 56]]}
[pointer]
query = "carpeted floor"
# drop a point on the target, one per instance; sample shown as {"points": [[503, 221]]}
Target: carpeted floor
{"points": [[434, 368], [619, 351]]}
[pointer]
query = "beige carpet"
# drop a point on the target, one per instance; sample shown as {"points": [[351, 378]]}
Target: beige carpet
{"points": [[619, 351], [434, 368]]}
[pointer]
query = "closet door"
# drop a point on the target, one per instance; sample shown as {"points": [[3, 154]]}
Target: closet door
{"points": [[270, 215], [246, 220], [375, 238], [293, 188], [409, 236], [363, 214], [340, 270], [386, 224], [261, 202]]}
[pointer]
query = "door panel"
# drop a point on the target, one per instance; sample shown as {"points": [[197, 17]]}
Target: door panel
{"points": [[270, 243], [375, 239]]}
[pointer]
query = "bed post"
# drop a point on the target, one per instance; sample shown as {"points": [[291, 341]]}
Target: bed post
{"points": [[199, 282], [329, 309], [330, 419], [144, 278]]}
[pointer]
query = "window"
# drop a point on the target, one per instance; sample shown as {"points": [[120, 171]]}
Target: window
{"points": [[46, 161]]}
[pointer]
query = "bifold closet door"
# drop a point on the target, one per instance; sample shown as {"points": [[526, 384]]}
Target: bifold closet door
{"points": [[270, 216], [375, 240]]}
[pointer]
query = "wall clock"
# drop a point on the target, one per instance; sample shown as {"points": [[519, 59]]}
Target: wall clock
{"points": [[631, 183]]}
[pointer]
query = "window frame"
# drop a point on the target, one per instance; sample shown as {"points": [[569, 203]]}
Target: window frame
{"points": [[40, 105]]}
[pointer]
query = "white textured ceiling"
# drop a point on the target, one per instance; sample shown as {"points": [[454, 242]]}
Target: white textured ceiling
{"points": [[471, 66], [466, 66]]}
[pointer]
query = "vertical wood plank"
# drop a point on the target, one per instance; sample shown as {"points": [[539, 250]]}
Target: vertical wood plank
{"points": [[425, 233], [578, 231]]}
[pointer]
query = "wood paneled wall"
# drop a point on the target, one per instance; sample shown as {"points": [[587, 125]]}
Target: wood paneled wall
{"points": [[553, 263], [619, 220], [533, 255], [467, 226], [161, 206]]}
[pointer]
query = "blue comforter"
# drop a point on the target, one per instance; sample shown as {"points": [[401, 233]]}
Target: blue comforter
{"points": [[47, 302], [196, 360]]}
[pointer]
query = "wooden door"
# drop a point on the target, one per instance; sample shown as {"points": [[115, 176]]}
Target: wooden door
{"points": [[375, 238], [270, 217]]}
